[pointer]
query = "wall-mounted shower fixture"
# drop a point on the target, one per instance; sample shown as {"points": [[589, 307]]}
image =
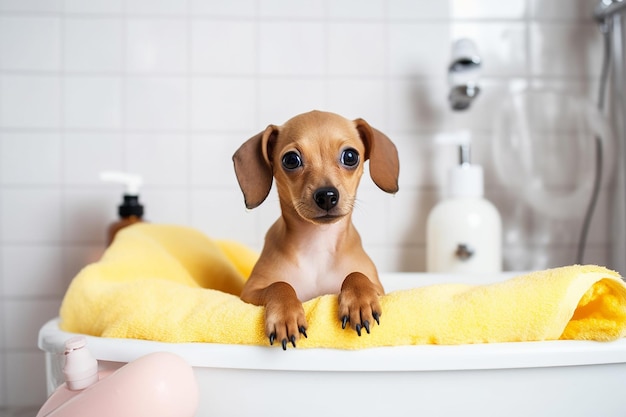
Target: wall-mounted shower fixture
{"points": [[608, 8], [463, 74]]}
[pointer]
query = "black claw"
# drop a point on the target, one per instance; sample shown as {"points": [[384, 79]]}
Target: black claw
{"points": [[366, 324], [272, 338], [293, 340], [302, 330], [358, 329], [344, 321], [376, 317], [284, 344]]}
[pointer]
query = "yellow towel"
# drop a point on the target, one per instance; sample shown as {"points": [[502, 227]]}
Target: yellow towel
{"points": [[152, 283]]}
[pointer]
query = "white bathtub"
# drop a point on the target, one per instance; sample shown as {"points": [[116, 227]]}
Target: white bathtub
{"points": [[560, 378]]}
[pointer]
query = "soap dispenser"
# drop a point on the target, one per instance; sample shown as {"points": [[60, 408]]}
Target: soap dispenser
{"points": [[131, 209], [464, 231]]}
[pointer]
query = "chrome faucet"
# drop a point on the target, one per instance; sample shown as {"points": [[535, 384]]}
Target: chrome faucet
{"points": [[463, 74]]}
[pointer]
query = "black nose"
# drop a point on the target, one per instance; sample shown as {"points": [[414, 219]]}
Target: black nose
{"points": [[326, 198]]}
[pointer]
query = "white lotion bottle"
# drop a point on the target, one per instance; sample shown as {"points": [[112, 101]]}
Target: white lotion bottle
{"points": [[464, 231]]}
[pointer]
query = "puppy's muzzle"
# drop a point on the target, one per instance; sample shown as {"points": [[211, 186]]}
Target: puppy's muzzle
{"points": [[326, 198]]}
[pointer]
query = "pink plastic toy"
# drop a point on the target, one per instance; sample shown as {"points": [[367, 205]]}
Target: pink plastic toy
{"points": [[155, 385]]}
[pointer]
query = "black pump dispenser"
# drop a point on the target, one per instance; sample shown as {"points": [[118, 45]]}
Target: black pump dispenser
{"points": [[131, 206], [131, 210]]}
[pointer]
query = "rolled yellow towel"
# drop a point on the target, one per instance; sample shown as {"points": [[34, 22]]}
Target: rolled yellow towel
{"points": [[174, 284]]}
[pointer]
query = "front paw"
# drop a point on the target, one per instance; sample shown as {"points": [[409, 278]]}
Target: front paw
{"points": [[284, 316], [285, 324], [358, 303]]}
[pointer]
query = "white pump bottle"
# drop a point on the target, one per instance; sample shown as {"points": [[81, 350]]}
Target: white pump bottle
{"points": [[464, 231]]}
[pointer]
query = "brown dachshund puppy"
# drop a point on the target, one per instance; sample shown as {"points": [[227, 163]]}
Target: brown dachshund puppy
{"points": [[313, 248]]}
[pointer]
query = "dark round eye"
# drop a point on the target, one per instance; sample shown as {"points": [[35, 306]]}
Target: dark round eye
{"points": [[350, 157], [291, 161]]}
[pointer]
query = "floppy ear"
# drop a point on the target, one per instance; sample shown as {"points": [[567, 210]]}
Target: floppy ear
{"points": [[383, 157], [253, 167]]}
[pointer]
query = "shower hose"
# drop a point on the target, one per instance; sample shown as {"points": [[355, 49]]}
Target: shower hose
{"points": [[605, 28]]}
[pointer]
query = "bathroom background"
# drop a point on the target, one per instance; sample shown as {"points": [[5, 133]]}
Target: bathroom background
{"points": [[170, 88]]}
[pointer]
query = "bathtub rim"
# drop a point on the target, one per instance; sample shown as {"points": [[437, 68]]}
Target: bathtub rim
{"points": [[381, 359]]}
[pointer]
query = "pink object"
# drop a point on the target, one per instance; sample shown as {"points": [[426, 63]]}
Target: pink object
{"points": [[159, 384]]}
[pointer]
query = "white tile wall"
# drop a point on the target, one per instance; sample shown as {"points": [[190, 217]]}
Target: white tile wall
{"points": [[223, 103], [288, 47], [39, 161], [30, 101], [224, 8], [93, 44], [87, 153], [356, 49], [30, 5], [81, 111], [223, 47], [357, 10], [30, 43], [282, 98], [156, 45], [156, 102], [171, 88], [157, 7]]}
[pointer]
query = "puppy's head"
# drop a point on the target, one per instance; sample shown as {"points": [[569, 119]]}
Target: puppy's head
{"points": [[317, 160]]}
